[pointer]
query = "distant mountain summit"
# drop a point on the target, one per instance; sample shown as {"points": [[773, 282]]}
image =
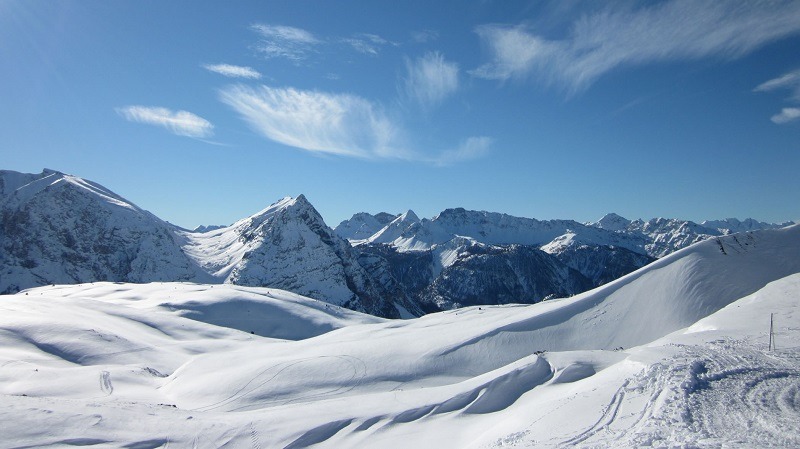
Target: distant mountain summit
{"points": [[363, 225], [611, 222]]}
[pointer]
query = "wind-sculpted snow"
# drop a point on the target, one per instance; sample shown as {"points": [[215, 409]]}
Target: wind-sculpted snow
{"points": [[668, 356]]}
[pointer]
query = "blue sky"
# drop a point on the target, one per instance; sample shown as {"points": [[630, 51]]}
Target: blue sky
{"points": [[206, 112]]}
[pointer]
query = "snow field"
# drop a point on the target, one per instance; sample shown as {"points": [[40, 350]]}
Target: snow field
{"points": [[176, 364]]}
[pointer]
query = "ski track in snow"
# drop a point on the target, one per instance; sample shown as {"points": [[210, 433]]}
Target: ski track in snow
{"points": [[105, 383], [703, 396]]}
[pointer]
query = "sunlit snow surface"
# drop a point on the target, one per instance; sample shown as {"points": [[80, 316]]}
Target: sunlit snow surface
{"points": [[667, 356]]}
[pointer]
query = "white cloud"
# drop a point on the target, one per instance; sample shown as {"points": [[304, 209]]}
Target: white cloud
{"points": [[790, 81], [471, 148], [423, 36], [369, 44], [514, 52], [430, 79], [233, 71], [182, 123], [340, 124], [786, 115], [280, 41], [621, 36]]}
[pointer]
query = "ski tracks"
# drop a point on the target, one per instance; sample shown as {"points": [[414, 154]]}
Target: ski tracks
{"points": [[726, 393], [105, 383]]}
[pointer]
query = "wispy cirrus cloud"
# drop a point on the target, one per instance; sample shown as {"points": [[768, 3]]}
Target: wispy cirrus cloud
{"points": [[620, 36], [332, 123], [470, 148], [788, 81], [368, 44], [430, 79], [423, 36], [340, 124], [281, 41], [515, 52], [181, 123], [233, 71], [297, 44]]}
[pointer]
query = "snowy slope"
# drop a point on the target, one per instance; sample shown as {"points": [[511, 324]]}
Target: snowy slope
{"points": [[131, 366], [58, 228]]}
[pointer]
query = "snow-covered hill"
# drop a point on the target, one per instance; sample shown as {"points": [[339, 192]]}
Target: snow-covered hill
{"points": [[667, 356], [61, 229]]}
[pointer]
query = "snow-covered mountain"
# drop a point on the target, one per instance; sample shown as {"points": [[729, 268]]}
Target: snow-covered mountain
{"points": [[655, 238], [288, 246], [601, 251], [464, 272], [363, 225], [409, 233], [733, 225], [61, 229], [207, 228], [666, 235], [672, 355], [501, 254]]}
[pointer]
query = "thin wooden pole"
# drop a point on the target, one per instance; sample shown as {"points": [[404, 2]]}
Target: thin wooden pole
{"points": [[771, 334]]}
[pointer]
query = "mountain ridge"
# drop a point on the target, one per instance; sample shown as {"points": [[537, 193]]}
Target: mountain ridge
{"points": [[62, 229]]}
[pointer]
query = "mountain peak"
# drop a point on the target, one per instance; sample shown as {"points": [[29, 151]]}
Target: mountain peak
{"points": [[385, 217], [612, 222], [409, 215]]}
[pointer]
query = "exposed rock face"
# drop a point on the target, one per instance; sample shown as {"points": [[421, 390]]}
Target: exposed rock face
{"points": [[488, 274], [464, 272]]}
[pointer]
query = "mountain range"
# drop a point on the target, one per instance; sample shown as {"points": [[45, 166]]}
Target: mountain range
{"points": [[61, 229]]}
